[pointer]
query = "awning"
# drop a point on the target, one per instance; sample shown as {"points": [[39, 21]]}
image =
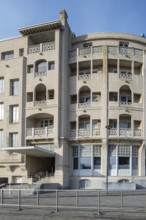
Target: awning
{"points": [[40, 28], [31, 151]]}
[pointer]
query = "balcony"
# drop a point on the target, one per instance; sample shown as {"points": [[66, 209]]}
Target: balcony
{"points": [[125, 132], [86, 51], [40, 74], [126, 75], [41, 47], [84, 75], [84, 132], [126, 51], [125, 104], [44, 132], [40, 103], [84, 105]]}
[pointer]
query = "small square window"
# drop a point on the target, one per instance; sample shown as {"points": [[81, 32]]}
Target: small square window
{"points": [[51, 65], [21, 52], [50, 94], [30, 69]]}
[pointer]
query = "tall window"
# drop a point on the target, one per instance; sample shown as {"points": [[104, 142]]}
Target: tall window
{"points": [[13, 139], [1, 111], [124, 157], [14, 114], [1, 85], [14, 85], [1, 138], [97, 157], [87, 157]]}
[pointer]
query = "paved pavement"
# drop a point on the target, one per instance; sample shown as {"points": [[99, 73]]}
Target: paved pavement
{"points": [[73, 205]]}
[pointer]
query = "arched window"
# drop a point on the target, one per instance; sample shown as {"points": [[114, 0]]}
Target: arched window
{"points": [[125, 96], [41, 66], [40, 92], [85, 183]]}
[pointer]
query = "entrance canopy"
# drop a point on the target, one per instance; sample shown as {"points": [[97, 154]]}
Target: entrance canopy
{"points": [[31, 151]]}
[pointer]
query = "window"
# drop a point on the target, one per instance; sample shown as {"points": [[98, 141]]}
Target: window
{"points": [[73, 99], [14, 114], [84, 124], [113, 96], [51, 65], [29, 97], [30, 69], [1, 85], [135, 158], [1, 111], [88, 44], [13, 139], [125, 99], [14, 86], [115, 71], [124, 157], [7, 55], [21, 52], [123, 44], [1, 138], [97, 157], [96, 96], [137, 98], [85, 157], [47, 123], [75, 157], [85, 99], [51, 94], [85, 183], [113, 123], [41, 67], [112, 157]]}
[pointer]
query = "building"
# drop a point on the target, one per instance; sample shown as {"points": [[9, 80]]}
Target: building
{"points": [[69, 104]]}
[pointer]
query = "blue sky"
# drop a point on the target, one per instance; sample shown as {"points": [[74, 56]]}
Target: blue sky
{"points": [[85, 16]]}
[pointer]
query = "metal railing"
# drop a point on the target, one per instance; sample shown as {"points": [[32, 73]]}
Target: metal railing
{"points": [[113, 201]]}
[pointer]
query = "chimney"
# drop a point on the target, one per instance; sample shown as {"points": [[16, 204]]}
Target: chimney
{"points": [[63, 17]]}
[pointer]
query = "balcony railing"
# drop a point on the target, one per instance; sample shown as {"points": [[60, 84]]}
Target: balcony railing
{"points": [[127, 51], [86, 51], [125, 75], [39, 131], [84, 132], [41, 47], [125, 104], [112, 50], [84, 75], [40, 103], [84, 105], [40, 74], [125, 132]]}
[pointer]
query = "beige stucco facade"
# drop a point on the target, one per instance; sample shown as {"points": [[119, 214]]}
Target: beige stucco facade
{"points": [[72, 109]]}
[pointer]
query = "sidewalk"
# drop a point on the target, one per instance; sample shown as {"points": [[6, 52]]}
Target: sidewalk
{"points": [[7, 213]]}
